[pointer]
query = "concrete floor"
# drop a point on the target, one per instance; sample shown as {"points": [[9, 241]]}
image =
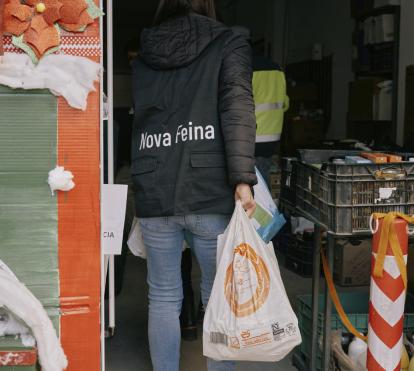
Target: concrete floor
{"points": [[128, 349]]}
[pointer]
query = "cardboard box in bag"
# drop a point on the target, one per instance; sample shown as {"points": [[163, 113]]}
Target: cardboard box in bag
{"points": [[352, 262]]}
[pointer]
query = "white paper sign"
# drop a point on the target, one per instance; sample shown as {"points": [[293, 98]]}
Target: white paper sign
{"points": [[114, 197]]}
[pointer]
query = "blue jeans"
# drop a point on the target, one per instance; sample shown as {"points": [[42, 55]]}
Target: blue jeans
{"points": [[163, 239]]}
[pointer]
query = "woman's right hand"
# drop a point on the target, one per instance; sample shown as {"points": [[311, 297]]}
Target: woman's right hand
{"points": [[244, 194]]}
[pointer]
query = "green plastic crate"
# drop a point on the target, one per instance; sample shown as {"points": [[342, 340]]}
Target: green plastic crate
{"points": [[356, 307]]}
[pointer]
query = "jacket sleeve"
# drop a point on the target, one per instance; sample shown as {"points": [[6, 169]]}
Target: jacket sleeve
{"points": [[236, 107]]}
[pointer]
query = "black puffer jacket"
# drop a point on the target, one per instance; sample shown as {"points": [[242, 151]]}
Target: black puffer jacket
{"points": [[194, 129]]}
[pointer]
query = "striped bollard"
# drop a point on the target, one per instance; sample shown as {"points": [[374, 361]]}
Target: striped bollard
{"points": [[386, 307]]}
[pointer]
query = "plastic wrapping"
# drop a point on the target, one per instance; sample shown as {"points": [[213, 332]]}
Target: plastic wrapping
{"points": [[24, 305]]}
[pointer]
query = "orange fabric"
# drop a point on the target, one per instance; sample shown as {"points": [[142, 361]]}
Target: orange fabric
{"points": [[400, 228], [392, 239], [79, 235], [336, 301]]}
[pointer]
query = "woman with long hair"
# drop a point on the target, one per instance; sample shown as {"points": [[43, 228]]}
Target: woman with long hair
{"points": [[192, 154]]}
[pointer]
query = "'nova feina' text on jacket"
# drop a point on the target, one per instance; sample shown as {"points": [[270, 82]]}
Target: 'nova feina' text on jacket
{"points": [[194, 128], [183, 133]]}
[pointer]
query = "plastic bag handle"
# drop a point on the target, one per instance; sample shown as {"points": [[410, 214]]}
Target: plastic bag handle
{"points": [[239, 205]]}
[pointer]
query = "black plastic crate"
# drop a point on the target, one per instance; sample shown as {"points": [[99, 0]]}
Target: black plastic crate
{"points": [[282, 240], [288, 181], [322, 156], [300, 249], [301, 267], [342, 197]]}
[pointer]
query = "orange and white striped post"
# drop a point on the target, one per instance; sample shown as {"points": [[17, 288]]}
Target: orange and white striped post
{"points": [[388, 292]]}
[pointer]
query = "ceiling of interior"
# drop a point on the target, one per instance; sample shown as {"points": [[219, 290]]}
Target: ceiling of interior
{"points": [[130, 17]]}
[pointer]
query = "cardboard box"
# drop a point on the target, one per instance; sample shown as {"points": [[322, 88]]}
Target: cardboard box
{"points": [[361, 99], [393, 158], [352, 262], [356, 160], [381, 158], [376, 158]]}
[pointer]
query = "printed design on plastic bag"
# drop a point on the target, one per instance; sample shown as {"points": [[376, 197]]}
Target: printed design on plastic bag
{"points": [[280, 333], [245, 292]]}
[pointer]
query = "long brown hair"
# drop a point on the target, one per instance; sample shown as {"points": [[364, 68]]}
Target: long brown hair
{"points": [[173, 8]]}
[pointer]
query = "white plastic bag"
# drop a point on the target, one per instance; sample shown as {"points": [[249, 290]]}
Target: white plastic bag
{"points": [[135, 241], [249, 316]]}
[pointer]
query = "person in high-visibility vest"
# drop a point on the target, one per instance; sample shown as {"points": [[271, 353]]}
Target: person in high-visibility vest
{"points": [[269, 92]]}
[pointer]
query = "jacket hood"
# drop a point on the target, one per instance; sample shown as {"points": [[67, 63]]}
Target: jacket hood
{"points": [[179, 41]]}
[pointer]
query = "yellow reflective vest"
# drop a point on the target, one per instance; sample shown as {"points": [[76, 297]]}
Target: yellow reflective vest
{"points": [[269, 92]]}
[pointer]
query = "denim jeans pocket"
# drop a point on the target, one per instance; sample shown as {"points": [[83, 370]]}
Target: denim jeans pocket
{"points": [[211, 225], [154, 224]]}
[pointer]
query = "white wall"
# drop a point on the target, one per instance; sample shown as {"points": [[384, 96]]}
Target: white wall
{"points": [[406, 59], [329, 23]]}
